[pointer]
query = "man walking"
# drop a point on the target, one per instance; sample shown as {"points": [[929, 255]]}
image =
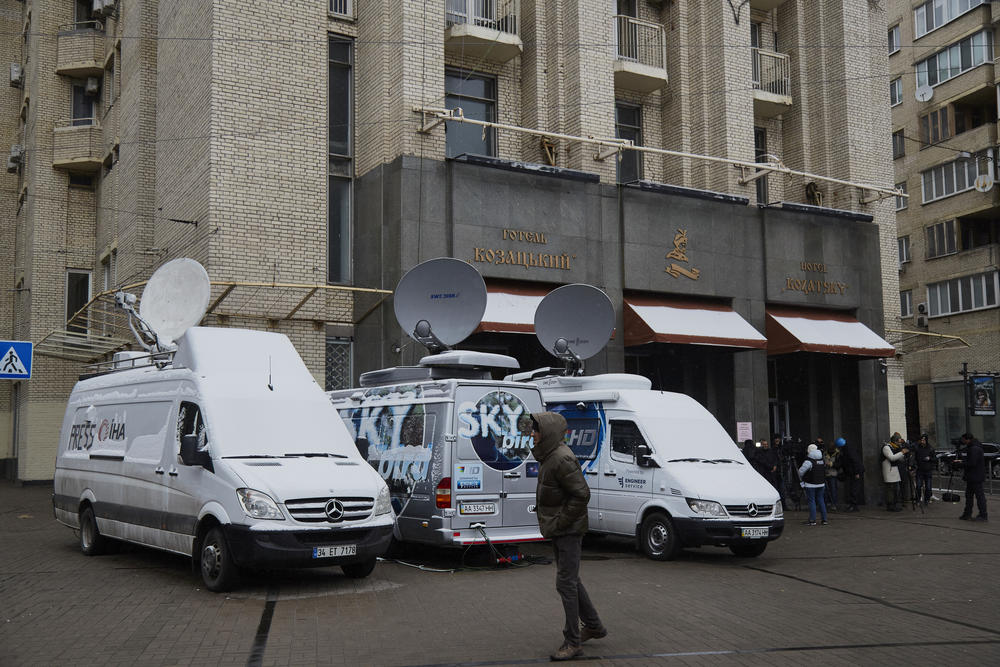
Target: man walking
{"points": [[974, 476], [561, 499]]}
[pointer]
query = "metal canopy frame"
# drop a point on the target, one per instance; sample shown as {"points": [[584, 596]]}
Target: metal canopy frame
{"points": [[911, 342], [100, 328]]}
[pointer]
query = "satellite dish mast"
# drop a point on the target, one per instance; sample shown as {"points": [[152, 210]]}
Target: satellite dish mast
{"points": [[440, 302], [174, 300], [575, 322]]}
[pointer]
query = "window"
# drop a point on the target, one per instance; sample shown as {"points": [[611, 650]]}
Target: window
{"points": [[894, 39], [906, 304], [82, 9], [896, 91], [948, 179], [934, 127], [342, 7], [904, 249], [628, 125], [933, 14], [963, 294], [338, 363], [83, 105], [108, 88], [901, 202], [625, 436], [760, 155], [81, 180], [477, 96], [941, 239], [976, 233], [958, 58], [191, 422], [340, 104], [77, 296], [898, 145]]}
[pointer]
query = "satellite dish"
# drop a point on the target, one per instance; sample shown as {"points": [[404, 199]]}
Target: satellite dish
{"points": [[575, 322], [924, 93], [984, 182], [440, 302], [175, 299]]}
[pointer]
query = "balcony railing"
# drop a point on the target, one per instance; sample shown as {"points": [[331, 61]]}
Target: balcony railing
{"points": [[500, 15], [771, 72], [641, 42], [77, 145]]}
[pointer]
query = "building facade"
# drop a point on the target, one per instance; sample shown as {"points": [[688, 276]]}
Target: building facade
{"points": [[300, 150], [943, 94]]}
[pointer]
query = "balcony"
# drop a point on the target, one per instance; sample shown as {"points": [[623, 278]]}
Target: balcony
{"points": [[80, 49], [765, 5], [483, 29], [641, 65], [772, 90], [77, 145]]}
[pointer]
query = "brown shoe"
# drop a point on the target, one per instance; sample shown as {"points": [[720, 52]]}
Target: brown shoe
{"points": [[592, 633], [566, 652]]}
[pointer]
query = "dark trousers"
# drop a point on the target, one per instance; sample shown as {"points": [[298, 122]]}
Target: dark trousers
{"points": [[854, 490], [975, 489], [576, 602], [924, 486], [891, 495]]}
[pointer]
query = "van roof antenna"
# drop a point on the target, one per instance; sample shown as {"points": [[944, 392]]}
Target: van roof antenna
{"points": [[440, 302], [574, 322]]}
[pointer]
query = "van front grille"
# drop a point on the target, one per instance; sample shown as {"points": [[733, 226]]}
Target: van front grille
{"points": [[314, 510], [743, 511]]}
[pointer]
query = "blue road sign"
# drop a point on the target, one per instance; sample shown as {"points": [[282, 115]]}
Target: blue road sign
{"points": [[15, 360]]}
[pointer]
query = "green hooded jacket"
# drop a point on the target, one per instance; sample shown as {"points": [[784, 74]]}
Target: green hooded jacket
{"points": [[562, 494]]}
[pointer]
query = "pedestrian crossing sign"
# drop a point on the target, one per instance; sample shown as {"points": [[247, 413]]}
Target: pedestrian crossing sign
{"points": [[15, 360]]}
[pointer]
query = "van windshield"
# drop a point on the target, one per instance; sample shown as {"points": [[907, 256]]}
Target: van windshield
{"points": [[680, 438], [273, 426]]}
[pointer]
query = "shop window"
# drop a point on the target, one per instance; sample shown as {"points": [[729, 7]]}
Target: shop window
{"points": [[628, 125], [476, 94]]}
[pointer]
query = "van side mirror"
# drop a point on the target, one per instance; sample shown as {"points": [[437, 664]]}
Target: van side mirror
{"points": [[643, 457], [190, 455]]}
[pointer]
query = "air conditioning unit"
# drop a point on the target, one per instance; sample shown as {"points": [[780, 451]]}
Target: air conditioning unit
{"points": [[922, 308], [16, 75], [922, 321], [16, 154], [12, 166], [93, 85]]}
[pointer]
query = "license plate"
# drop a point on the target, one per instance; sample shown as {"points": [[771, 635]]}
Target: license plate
{"points": [[477, 508], [333, 552], [755, 532]]}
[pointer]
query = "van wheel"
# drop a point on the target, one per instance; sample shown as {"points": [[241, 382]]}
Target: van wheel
{"points": [[659, 540], [92, 543], [218, 570], [359, 570], [748, 549]]}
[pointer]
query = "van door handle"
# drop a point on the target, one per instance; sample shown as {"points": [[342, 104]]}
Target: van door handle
{"points": [[158, 470], [590, 472], [512, 475], [611, 473], [172, 472]]}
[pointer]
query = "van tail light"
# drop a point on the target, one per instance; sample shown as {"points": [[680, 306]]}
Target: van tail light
{"points": [[442, 495]]}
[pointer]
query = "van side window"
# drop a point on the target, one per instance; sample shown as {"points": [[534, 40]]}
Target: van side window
{"points": [[191, 422], [625, 436]]}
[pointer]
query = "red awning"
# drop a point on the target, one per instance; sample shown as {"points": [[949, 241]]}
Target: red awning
{"points": [[827, 331], [658, 320]]}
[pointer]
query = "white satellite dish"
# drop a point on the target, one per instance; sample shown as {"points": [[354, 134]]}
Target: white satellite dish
{"points": [[575, 322], [175, 299], [440, 302], [924, 93]]}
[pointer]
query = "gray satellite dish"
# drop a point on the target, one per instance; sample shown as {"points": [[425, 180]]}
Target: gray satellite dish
{"points": [[575, 322], [923, 93], [440, 302], [175, 299]]}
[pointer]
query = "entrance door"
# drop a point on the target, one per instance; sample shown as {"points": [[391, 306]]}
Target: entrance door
{"points": [[779, 417]]}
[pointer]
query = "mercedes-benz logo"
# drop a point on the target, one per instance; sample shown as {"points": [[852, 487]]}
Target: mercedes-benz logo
{"points": [[335, 510], [752, 509]]}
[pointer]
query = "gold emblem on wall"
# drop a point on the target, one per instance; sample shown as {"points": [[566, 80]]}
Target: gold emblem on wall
{"points": [[680, 254]]}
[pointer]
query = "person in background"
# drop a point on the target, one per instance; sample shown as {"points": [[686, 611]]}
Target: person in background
{"points": [[974, 476], [812, 472], [766, 463], [924, 460], [832, 461], [893, 454], [854, 473], [749, 452]]}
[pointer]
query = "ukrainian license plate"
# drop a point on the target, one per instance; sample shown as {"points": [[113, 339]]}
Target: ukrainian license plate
{"points": [[477, 508], [755, 532], [333, 552]]}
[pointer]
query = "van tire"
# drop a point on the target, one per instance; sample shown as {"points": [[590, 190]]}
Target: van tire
{"points": [[92, 543], [748, 549], [659, 539], [359, 570], [218, 571]]}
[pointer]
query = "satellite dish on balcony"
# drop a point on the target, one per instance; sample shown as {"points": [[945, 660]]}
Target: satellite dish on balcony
{"points": [[924, 94], [175, 299], [440, 302], [984, 182], [574, 322]]}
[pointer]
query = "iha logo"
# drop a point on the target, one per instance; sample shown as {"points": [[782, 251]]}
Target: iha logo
{"points": [[111, 430]]}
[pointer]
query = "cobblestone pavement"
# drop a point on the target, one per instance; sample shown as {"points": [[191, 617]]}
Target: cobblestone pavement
{"points": [[871, 588]]}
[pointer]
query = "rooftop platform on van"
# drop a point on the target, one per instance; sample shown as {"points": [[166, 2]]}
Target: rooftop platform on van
{"points": [[451, 365]]}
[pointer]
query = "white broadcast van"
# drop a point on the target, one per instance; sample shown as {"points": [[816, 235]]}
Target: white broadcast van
{"points": [[661, 468], [221, 447]]}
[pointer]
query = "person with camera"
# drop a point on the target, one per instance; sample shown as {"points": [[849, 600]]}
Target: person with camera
{"points": [[834, 464], [974, 476], [924, 460], [893, 455]]}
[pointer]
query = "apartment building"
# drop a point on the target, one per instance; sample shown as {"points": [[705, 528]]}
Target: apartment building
{"points": [[722, 178], [943, 94]]}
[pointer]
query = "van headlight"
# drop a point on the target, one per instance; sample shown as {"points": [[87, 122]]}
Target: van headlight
{"points": [[706, 507], [779, 511], [258, 504], [383, 505]]}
